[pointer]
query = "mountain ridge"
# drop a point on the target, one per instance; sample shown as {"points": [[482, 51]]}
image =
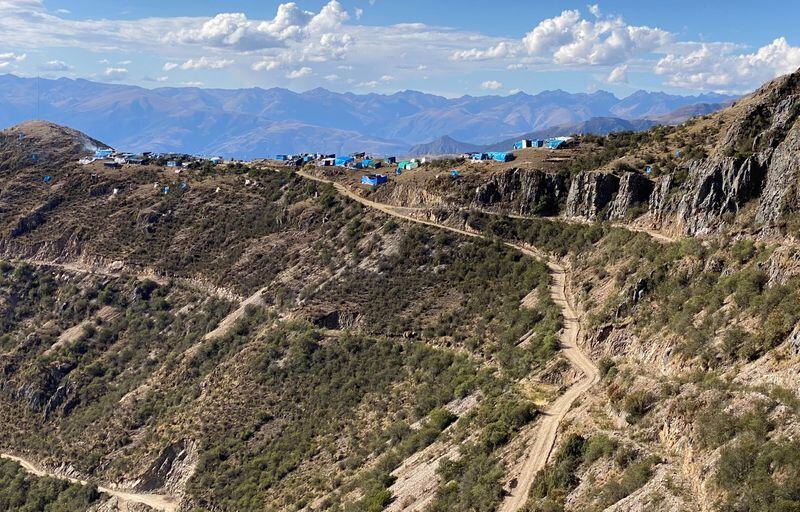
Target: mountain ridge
{"points": [[196, 120]]}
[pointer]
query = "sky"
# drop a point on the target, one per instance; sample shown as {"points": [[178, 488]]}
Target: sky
{"points": [[443, 47]]}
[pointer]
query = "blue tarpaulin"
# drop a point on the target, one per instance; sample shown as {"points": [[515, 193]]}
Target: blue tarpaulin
{"points": [[374, 179]]}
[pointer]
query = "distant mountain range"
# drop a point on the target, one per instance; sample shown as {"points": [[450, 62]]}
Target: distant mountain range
{"points": [[255, 122]]}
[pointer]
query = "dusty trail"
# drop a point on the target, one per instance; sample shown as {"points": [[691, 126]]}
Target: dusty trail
{"points": [[545, 435], [154, 501]]}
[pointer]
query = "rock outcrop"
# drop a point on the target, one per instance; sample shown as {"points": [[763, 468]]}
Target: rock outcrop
{"points": [[523, 191], [634, 191], [716, 187], [590, 193]]}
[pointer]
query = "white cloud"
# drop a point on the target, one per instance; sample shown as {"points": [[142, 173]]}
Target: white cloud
{"points": [[604, 42], [568, 39], [236, 31], [501, 50], [6, 59], [491, 85], [333, 77], [113, 74], [206, 63], [159, 79], [192, 84], [299, 73], [359, 13], [594, 9], [56, 65], [618, 75], [265, 65], [719, 67], [388, 78], [199, 63], [552, 33]]}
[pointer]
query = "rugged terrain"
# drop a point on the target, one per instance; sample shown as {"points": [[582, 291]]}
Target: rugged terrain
{"points": [[567, 331]]}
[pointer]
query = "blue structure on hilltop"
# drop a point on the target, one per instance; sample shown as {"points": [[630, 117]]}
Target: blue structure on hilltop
{"points": [[500, 156], [343, 160], [374, 180], [557, 142], [103, 153]]}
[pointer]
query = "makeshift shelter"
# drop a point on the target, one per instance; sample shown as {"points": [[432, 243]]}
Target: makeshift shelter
{"points": [[374, 179], [343, 160], [500, 156]]}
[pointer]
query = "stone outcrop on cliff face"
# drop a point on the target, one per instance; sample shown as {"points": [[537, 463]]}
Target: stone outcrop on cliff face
{"points": [[766, 130], [657, 204], [590, 193], [718, 186], [634, 191], [523, 191]]}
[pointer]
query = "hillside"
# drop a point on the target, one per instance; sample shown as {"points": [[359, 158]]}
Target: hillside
{"points": [[252, 123], [566, 331]]}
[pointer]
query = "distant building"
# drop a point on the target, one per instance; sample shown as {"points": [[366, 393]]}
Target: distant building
{"points": [[172, 163], [522, 144], [391, 160], [558, 142], [374, 180], [500, 156], [281, 158], [103, 153], [454, 173], [407, 165], [478, 157], [344, 160]]}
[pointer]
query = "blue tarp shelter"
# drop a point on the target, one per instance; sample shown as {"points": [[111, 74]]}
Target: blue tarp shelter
{"points": [[374, 179], [343, 160], [500, 156]]}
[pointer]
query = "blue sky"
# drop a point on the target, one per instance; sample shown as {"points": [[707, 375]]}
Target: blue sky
{"points": [[446, 47]]}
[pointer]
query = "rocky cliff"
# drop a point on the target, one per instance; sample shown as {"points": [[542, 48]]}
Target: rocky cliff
{"points": [[523, 191]]}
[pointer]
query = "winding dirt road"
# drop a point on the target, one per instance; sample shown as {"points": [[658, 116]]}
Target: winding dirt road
{"points": [[154, 501], [545, 435]]}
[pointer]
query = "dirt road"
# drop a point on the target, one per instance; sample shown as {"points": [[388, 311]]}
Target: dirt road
{"points": [[154, 501], [545, 435]]}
